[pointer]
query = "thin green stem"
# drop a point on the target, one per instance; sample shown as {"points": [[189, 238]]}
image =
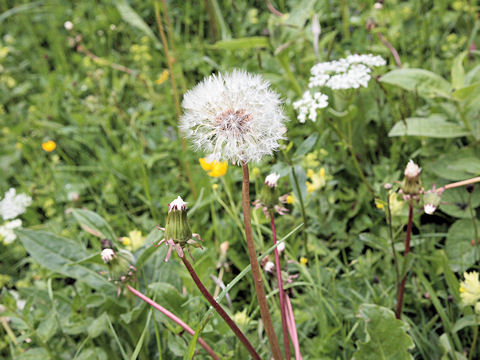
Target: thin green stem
{"points": [[475, 337], [302, 207]]}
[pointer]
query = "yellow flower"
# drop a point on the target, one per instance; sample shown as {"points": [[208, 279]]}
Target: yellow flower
{"points": [[379, 204], [134, 240], [318, 180], [303, 260], [49, 146], [290, 199], [470, 288], [162, 78], [213, 168]]}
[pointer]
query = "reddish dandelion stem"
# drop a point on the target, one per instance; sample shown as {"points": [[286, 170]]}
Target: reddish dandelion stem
{"points": [[220, 310], [401, 288], [281, 293], [257, 276], [164, 311]]}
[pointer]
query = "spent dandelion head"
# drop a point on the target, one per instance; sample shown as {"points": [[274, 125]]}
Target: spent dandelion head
{"points": [[234, 116]]}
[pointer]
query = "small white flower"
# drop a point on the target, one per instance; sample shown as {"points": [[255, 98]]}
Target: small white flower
{"points": [[281, 247], [234, 116], [68, 25], [178, 204], [269, 267], [6, 230], [107, 255], [272, 179], [378, 6], [429, 208], [412, 170], [308, 105], [13, 205]]}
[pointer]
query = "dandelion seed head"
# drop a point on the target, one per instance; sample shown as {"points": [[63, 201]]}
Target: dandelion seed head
{"points": [[234, 116]]}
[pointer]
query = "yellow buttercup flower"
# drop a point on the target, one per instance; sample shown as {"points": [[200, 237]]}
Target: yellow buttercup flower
{"points": [[470, 288], [162, 78], [379, 204], [290, 199], [134, 240], [212, 167], [318, 180], [303, 260], [49, 146]]}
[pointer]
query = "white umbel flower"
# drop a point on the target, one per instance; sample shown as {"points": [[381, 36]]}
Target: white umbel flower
{"points": [[13, 205], [234, 116], [178, 204], [107, 255], [272, 179], [6, 230], [308, 105], [412, 170]]}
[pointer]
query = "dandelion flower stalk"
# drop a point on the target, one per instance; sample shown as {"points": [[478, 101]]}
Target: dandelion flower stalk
{"points": [[281, 293], [174, 318]]}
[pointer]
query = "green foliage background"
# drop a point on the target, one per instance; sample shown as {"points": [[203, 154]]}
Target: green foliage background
{"points": [[118, 148]]}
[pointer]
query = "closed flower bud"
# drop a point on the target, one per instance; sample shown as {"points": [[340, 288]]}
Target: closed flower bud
{"points": [[269, 266], [107, 255], [412, 184], [120, 264], [269, 193]]}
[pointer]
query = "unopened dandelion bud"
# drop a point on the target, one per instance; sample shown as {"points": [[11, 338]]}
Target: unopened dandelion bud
{"points": [[120, 264], [269, 193], [412, 184], [431, 201], [177, 227]]}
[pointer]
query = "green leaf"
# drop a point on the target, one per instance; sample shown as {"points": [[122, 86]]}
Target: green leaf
{"points": [[455, 202], [94, 224], [48, 327], [458, 72], [426, 83], [57, 254], [34, 354], [434, 126], [465, 321], [95, 353], [99, 325], [459, 248], [456, 165], [465, 92], [131, 17], [386, 338], [307, 145], [242, 43]]}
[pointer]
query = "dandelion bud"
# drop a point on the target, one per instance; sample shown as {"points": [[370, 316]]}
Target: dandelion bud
{"points": [[431, 200], [269, 193], [281, 247], [269, 266], [177, 227], [411, 183], [271, 180], [107, 255]]}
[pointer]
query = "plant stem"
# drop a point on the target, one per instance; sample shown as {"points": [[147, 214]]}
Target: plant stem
{"points": [[220, 310], [352, 154], [281, 293], [460, 183], [392, 243], [257, 277], [164, 311], [401, 288], [302, 207], [475, 337]]}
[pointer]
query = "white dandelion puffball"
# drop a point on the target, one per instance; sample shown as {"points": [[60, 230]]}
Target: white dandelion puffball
{"points": [[234, 116]]}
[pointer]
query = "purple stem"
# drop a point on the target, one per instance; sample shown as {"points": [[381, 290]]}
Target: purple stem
{"points": [[164, 311], [281, 293], [292, 329]]}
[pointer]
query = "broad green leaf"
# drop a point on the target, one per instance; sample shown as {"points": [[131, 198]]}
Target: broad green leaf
{"points": [[456, 165], [300, 13], [94, 224], [465, 92], [465, 321], [96, 353], [426, 83], [458, 72], [34, 354], [460, 248], [307, 145], [99, 325], [473, 75], [48, 327], [455, 202], [57, 254], [434, 126], [131, 17], [386, 338], [242, 43]]}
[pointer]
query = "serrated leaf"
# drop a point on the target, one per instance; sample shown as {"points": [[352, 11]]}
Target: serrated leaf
{"points": [[387, 337], [426, 83], [94, 224], [242, 43], [57, 254], [434, 126], [459, 247]]}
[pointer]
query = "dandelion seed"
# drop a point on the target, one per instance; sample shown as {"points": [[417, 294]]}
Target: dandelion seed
{"points": [[235, 116]]}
